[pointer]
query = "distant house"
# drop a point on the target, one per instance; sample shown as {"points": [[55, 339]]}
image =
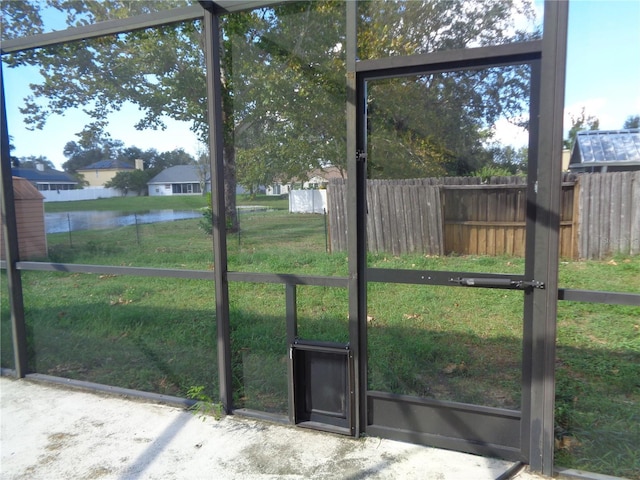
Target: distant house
{"points": [[178, 180], [45, 180], [606, 151], [318, 179], [99, 173]]}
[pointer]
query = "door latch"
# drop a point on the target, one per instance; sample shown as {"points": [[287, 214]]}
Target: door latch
{"points": [[506, 283]]}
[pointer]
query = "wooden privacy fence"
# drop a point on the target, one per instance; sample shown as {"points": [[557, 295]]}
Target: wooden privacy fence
{"points": [[600, 215], [608, 207]]}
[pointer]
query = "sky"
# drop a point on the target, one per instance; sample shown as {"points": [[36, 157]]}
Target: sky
{"points": [[602, 76]]}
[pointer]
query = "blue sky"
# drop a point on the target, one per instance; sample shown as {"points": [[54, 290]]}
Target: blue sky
{"points": [[603, 76], [603, 60]]}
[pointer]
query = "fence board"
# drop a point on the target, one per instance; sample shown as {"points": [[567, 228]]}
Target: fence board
{"points": [[634, 216], [615, 206], [593, 195], [402, 227], [624, 212], [583, 209], [608, 213], [600, 215], [337, 215], [416, 217]]}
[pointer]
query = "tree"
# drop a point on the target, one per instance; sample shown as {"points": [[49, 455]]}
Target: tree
{"points": [[134, 181], [170, 159], [93, 145], [439, 124], [283, 82], [580, 122], [203, 170], [632, 121], [33, 162], [513, 160]]}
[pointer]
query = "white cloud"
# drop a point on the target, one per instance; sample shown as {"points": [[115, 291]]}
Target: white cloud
{"points": [[594, 107], [506, 133], [611, 114]]}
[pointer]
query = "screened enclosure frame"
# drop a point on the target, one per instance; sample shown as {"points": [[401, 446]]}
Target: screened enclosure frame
{"points": [[535, 443]]}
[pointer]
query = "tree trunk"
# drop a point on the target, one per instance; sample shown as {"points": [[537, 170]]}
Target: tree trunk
{"points": [[231, 213]]}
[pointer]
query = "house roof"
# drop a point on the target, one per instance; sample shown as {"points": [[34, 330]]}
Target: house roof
{"points": [[44, 176], [178, 174], [108, 165], [327, 173], [597, 148], [24, 190]]}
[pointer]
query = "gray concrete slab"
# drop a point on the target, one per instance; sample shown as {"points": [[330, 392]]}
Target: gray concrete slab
{"points": [[52, 432]]}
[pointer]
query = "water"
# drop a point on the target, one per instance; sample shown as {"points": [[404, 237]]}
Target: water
{"points": [[99, 220]]}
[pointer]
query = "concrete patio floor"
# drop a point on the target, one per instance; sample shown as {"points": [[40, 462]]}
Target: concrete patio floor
{"points": [[52, 432]]}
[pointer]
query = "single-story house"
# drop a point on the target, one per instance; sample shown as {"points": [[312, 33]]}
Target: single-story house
{"points": [[45, 180], [179, 180], [99, 173], [318, 178], [606, 151]]}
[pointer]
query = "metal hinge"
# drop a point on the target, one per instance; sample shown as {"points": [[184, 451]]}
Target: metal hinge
{"points": [[361, 156], [497, 283]]}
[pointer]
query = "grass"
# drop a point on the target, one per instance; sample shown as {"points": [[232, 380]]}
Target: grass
{"points": [[141, 204], [158, 334]]}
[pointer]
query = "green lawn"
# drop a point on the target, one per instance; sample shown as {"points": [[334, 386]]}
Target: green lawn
{"points": [[176, 202], [158, 334]]}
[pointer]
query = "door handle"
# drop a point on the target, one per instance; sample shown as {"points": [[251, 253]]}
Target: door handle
{"points": [[506, 283]]}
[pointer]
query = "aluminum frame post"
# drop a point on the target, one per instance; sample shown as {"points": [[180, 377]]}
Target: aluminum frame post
{"points": [[216, 155], [12, 252], [545, 249], [356, 228]]}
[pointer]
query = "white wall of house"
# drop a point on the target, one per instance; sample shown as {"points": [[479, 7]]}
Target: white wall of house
{"points": [[160, 189], [278, 189], [166, 189], [313, 183]]}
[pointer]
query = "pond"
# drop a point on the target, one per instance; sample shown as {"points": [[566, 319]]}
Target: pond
{"points": [[98, 220]]}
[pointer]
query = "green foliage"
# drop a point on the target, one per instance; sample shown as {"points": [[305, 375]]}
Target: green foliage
{"points": [[580, 122], [134, 181], [632, 121], [283, 84], [206, 224], [33, 162], [204, 406], [488, 171], [438, 124]]}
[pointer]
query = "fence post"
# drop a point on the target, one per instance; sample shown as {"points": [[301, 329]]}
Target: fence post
{"points": [[326, 238], [135, 217], [69, 224], [575, 221], [291, 313]]}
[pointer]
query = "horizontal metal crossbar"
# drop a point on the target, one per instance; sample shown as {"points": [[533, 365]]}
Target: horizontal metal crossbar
{"points": [[379, 275], [591, 296], [450, 60], [100, 29], [430, 277], [115, 270], [288, 279]]}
